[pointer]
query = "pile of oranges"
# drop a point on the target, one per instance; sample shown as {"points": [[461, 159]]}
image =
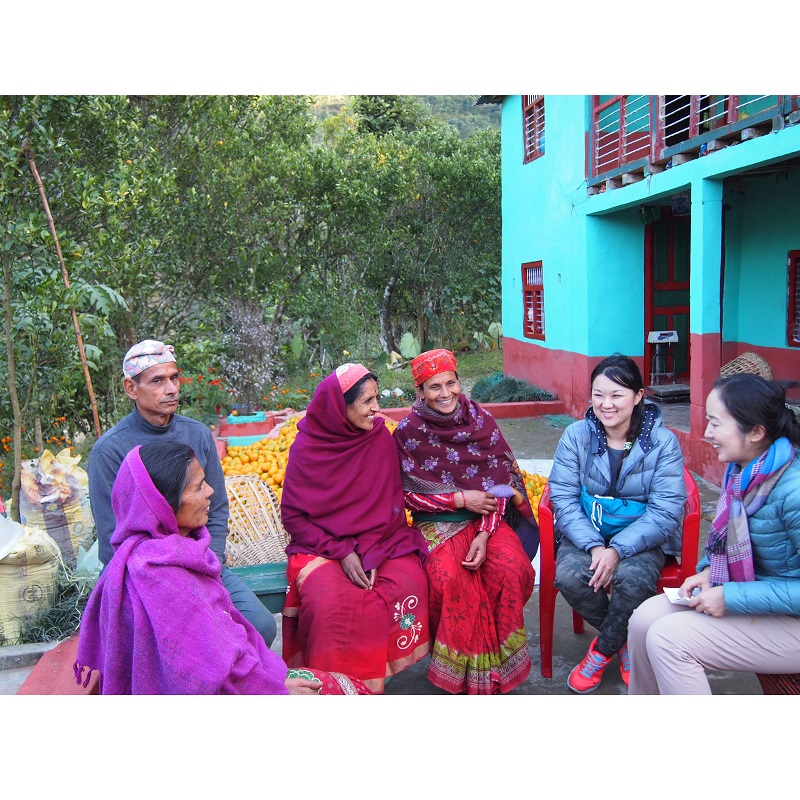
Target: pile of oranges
{"points": [[534, 486], [266, 458]]}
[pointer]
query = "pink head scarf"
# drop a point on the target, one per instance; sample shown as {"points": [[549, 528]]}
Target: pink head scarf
{"points": [[349, 375]]}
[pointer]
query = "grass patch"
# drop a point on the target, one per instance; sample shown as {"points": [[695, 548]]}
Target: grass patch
{"points": [[479, 363], [499, 388]]}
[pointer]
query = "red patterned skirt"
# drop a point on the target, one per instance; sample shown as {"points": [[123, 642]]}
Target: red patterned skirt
{"points": [[331, 682], [331, 624], [476, 618]]}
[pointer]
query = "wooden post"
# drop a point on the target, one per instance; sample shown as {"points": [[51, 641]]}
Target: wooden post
{"points": [[26, 148]]}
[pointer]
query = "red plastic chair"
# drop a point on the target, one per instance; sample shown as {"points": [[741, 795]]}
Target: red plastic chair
{"points": [[673, 574]]}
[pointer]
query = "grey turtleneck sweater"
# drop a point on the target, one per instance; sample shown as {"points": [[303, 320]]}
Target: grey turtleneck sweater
{"points": [[112, 447]]}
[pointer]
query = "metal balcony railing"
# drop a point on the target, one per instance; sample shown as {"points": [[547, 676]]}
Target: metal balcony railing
{"points": [[621, 132], [632, 131]]}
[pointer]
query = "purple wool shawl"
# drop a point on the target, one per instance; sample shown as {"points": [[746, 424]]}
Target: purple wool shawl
{"points": [[159, 620]]}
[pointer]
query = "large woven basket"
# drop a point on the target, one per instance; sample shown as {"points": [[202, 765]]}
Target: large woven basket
{"points": [[747, 362], [255, 532]]}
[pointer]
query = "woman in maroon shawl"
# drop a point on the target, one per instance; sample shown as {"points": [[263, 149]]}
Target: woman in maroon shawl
{"points": [[358, 598], [459, 474], [159, 620]]}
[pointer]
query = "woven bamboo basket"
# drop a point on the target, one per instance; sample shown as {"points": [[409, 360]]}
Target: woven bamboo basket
{"points": [[779, 684], [747, 362], [255, 532]]}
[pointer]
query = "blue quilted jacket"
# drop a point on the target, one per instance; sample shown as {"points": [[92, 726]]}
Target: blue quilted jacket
{"points": [[775, 537], [651, 473]]}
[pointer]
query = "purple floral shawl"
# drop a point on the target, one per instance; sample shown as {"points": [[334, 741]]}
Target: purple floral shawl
{"points": [[444, 453]]}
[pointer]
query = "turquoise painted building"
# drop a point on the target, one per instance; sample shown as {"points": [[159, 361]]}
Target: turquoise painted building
{"points": [[626, 218]]}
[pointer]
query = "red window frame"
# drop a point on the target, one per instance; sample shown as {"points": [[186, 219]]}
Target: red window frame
{"points": [[533, 300], [532, 127], [793, 315]]}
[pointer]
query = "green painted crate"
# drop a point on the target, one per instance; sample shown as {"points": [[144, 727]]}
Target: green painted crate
{"points": [[267, 581], [242, 419]]}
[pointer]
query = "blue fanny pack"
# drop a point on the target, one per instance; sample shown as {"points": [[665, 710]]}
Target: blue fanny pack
{"points": [[608, 515]]}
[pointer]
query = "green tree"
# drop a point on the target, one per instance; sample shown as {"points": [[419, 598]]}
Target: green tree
{"points": [[435, 263], [42, 365], [174, 213]]}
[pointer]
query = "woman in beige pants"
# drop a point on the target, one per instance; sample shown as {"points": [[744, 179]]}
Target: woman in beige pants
{"points": [[743, 611]]}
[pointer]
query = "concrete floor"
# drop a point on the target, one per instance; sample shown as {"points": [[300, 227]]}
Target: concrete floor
{"points": [[532, 440]]}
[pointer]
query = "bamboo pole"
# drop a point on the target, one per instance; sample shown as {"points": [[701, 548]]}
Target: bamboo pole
{"points": [[12, 392], [26, 148]]}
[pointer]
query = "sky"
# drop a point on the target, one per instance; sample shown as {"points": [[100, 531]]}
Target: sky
{"points": [[360, 47]]}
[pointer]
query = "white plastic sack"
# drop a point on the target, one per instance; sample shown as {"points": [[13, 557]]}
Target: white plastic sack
{"points": [[54, 497], [28, 580]]}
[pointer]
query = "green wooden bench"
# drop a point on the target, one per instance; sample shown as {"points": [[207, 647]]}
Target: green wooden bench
{"points": [[267, 581]]}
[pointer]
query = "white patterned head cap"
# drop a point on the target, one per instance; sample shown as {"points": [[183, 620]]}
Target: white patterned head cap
{"points": [[146, 354]]}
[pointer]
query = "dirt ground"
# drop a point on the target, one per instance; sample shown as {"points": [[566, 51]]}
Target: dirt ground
{"points": [[534, 437]]}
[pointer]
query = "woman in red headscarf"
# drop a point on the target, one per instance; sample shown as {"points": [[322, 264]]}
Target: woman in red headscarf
{"points": [[467, 496], [358, 597]]}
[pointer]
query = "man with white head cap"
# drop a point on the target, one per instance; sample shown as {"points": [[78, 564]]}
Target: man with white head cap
{"points": [[151, 381]]}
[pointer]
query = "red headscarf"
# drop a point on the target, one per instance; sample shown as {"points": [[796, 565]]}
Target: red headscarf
{"points": [[431, 363], [343, 491]]}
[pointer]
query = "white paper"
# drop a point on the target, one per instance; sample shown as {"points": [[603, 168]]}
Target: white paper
{"points": [[10, 535], [672, 596]]}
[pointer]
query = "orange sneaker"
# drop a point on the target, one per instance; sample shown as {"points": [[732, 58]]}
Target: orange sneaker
{"points": [[624, 664], [587, 675]]}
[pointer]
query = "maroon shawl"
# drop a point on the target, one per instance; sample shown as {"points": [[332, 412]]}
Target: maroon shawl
{"points": [[342, 491], [159, 620], [444, 453]]}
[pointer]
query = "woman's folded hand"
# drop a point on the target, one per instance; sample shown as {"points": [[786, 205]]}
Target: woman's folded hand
{"points": [[351, 564]]}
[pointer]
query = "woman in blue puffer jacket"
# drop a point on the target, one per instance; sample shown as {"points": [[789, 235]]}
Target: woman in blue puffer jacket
{"points": [[620, 449], [743, 605]]}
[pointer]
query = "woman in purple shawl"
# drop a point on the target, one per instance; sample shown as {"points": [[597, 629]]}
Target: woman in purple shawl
{"points": [[159, 620], [358, 598]]}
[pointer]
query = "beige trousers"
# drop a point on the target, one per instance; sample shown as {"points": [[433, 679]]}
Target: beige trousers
{"points": [[671, 646]]}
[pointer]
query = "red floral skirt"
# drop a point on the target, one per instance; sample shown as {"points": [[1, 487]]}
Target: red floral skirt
{"points": [[331, 682], [331, 624], [477, 618]]}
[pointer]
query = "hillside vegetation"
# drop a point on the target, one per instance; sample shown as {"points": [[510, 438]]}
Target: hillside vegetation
{"points": [[457, 110]]}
